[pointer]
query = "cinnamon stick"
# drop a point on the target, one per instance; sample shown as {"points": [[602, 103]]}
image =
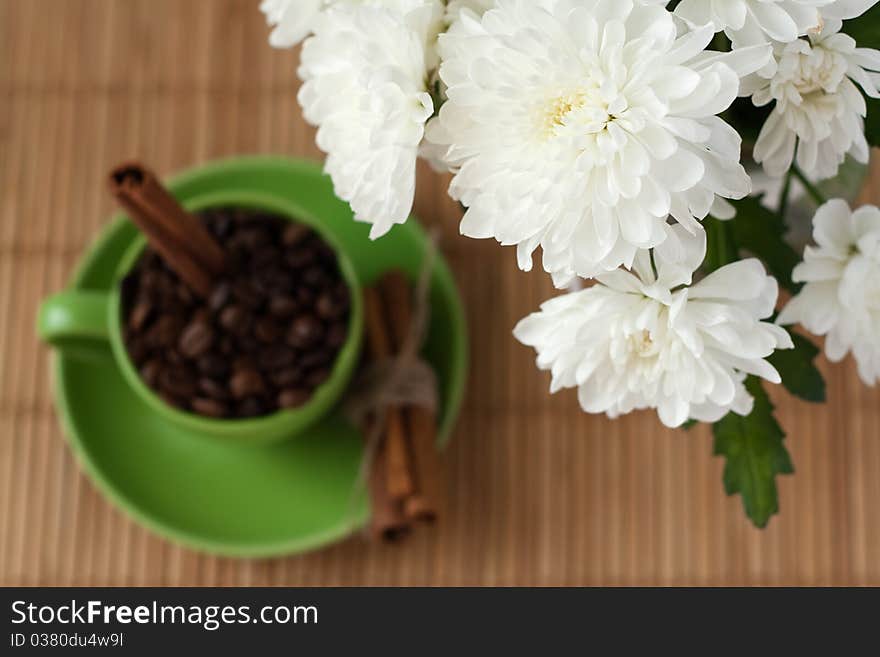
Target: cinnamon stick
{"points": [[178, 236], [388, 522], [427, 504], [391, 458], [421, 424]]}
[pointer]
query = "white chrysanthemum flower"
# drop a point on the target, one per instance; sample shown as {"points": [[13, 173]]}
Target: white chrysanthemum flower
{"points": [[846, 9], [365, 86], [636, 340], [841, 298], [748, 22], [580, 125], [479, 7], [819, 111], [294, 20]]}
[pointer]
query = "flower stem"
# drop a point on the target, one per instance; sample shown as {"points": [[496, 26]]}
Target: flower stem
{"points": [[653, 264], [721, 244], [812, 190], [786, 193]]}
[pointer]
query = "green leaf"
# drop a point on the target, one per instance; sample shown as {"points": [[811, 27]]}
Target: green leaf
{"points": [[872, 122], [720, 244], [747, 119], [755, 453], [865, 29], [762, 232], [799, 373]]}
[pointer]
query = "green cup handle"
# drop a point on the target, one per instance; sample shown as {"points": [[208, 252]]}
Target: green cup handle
{"points": [[74, 318]]}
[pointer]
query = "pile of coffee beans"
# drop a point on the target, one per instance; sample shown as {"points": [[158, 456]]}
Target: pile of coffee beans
{"points": [[267, 336]]}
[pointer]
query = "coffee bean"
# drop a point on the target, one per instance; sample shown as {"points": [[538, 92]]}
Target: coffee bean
{"points": [[241, 215], [213, 365], [164, 292], [220, 297], [201, 315], [266, 284], [172, 306], [235, 319], [184, 294], [128, 288], [304, 332], [287, 377], [140, 315], [326, 254], [266, 257], [267, 330], [150, 372], [171, 400], [336, 336], [314, 358], [244, 362], [196, 339], [278, 281], [253, 237], [248, 344], [293, 397], [209, 407], [137, 349], [327, 306], [317, 377], [246, 383], [173, 357], [220, 225], [165, 331], [237, 259], [282, 306], [149, 261], [251, 407], [277, 357], [151, 279], [213, 389], [248, 294], [294, 234], [227, 346], [178, 382], [342, 296], [314, 277], [300, 258]]}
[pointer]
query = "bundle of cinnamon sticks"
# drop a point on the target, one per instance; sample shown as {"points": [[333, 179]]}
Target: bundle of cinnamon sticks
{"points": [[406, 474]]}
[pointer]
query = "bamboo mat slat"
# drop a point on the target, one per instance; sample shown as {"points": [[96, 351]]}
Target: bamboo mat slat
{"points": [[540, 493]]}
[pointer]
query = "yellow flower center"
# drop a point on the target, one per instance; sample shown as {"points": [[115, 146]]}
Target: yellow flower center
{"points": [[642, 343], [580, 111], [561, 106]]}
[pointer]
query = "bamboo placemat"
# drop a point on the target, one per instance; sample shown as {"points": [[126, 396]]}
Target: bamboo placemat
{"points": [[540, 493]]}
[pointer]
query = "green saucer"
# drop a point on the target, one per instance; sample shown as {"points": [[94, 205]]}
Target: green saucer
{"points": [[241, 500]]}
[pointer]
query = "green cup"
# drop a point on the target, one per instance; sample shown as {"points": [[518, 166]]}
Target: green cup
{"points": [[79, 319]]}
